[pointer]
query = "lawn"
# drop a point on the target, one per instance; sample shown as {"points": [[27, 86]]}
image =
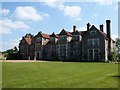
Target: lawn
{"points": [[59, 75]]}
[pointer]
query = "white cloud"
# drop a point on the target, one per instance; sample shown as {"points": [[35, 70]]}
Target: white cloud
{"points": [[104, 2], [114, 36], [28, 13], [5, 45], [7, 25], [45, 15], [72, 11], [4, 11], [54, 3], [51, 3]]}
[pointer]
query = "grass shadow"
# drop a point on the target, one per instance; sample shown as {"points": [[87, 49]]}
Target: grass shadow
{"points": [[116, 76]]}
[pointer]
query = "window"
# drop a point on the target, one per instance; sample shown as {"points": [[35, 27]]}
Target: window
{"points": [[90, 42], [62, 38], [93, 42], [38, 45], [92, 33], [52, 39], [38, 38], [77, 37], [93, 54]]}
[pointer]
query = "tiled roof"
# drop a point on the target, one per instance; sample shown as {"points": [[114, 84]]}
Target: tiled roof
{"points": [[28, 38], [43, 35], [28, 41], [69, 34], [54, 35], [63, 32]]}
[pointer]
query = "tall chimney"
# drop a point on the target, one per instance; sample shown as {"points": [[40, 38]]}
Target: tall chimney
{"points": [[74, 28], [101, 27], [88, 26], [108, 29], [109, 38]]}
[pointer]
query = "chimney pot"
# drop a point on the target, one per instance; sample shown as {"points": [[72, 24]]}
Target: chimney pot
{"points": [[74, 28], [101, 28], [88, 26]]}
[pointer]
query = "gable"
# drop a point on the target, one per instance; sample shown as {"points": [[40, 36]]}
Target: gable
{"points": [[93, 30], [40, 34], [63, 32]]}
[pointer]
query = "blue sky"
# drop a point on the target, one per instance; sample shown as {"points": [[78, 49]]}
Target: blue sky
{"points": [[19, 18]]}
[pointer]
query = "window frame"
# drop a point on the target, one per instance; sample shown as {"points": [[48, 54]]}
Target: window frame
{"points": [[93, 33]]}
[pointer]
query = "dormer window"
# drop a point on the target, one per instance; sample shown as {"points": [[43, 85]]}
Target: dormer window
{"points": [[92, 33]]}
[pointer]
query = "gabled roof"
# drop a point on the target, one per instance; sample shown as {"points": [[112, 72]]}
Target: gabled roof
{"points": [[43, 35], [28, 38], [63, 32], [94, 28], [28, 41], [54, 35]]}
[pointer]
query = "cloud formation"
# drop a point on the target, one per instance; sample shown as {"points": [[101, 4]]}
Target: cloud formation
{"points": [[70, 11], [104, 2], [7, 25], [4, 11], [28, 13], [9, 44]]}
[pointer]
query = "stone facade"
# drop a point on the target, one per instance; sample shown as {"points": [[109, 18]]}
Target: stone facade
{"points": [[89, 45]]}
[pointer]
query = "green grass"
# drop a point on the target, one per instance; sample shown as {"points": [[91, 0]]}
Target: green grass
{"points": [[60, 75]]}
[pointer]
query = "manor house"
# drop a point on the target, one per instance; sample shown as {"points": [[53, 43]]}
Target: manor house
{"points": [[90, 45]]}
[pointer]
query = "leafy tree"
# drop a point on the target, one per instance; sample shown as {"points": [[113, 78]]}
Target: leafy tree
{"points": [[118, 47], [114, 55], [15, 49], [10, 51]]}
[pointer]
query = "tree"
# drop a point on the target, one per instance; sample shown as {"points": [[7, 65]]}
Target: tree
{"points": [[15, 49], [10, 51], [114, 55], [118, 47]]}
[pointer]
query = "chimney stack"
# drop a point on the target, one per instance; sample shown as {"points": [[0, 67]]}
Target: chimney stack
{"points": [[74, 28], [109, 38], [108, 28], [88, 26], [101, 28]]}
